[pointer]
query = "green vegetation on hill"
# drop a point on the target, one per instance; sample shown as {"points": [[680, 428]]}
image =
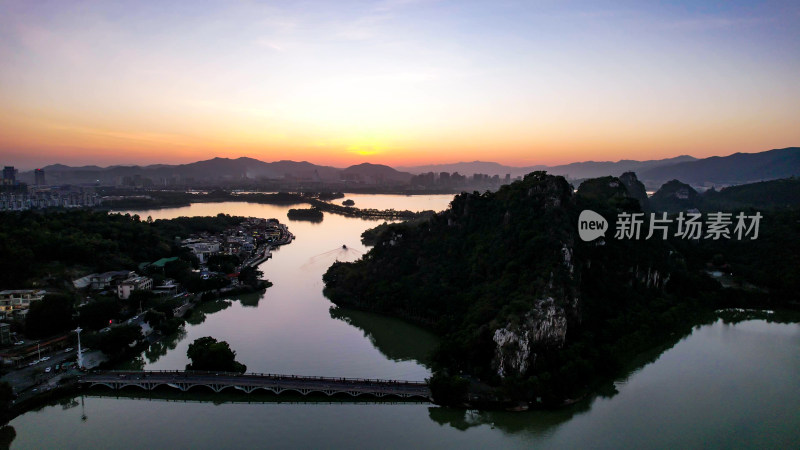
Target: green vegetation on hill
{"points": [[53, 248], [784, 193], [521, 302], [370, 235], [184, 226], [675, 196], [54, 245], [635, 189], [770, 263]]}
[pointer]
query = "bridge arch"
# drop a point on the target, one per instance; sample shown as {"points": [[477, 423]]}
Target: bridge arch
{"points": [[248, 383]]}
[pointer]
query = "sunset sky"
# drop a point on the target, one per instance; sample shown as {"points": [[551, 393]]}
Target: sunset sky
{"points": [[397, 82]]}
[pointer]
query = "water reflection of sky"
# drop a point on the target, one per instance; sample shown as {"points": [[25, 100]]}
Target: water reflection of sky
{"points": [[725, 386], [399, 202], [291, 330]]}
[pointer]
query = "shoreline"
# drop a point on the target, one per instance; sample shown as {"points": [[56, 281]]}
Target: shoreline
{"points": [[324, 206], [730, 315]]}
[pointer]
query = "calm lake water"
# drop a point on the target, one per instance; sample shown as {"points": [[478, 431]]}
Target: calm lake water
{"points": [[399, 202], [722, 386]]}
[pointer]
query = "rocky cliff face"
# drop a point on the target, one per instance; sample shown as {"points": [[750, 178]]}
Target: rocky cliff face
{"points": [[519, 340], [543, 328]]}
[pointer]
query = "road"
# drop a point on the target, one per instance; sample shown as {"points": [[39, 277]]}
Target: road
{"points": [[29, 377]]}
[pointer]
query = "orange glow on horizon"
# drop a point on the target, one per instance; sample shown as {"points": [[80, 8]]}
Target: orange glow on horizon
{"points": [[50, 143], [526, 84]]}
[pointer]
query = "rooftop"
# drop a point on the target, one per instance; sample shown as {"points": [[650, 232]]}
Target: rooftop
{"points": [[163, 261], [22, 291]]}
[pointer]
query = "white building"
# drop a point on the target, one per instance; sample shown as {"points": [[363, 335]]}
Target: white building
{"points": [[203, 249], [125, 288]]}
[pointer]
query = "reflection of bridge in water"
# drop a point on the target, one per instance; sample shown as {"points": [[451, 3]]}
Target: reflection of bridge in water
{"points": [[218, 381], [256, 399]]}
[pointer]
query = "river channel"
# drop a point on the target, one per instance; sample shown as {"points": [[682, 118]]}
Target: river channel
{"points": [[724, 385]]}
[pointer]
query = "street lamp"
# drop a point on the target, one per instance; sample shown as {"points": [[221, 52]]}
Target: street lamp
{"points": [[80, 353]]}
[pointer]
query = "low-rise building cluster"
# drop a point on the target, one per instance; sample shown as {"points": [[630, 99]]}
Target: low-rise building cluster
{"points": [[121, 282], [202, 247], [14, 303], [240, 240]]}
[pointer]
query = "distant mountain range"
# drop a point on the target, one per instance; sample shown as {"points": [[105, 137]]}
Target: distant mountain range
{"points": [[738, 168], [222, 170], [578, 170]]}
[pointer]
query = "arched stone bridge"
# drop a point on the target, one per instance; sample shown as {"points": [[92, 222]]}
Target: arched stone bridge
{"points": [[217, 381]]}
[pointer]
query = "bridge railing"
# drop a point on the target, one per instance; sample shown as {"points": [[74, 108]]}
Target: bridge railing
{"points": [[282, 377]]}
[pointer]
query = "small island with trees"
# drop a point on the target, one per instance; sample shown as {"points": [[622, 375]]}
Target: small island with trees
{"points": [[310, 214], [206, 353]]}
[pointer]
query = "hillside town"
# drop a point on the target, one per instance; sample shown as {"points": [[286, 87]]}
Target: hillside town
{"points": [[151, 300]]}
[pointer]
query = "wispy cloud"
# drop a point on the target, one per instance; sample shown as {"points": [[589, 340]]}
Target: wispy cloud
{"points": [[149, 137], [716, 23]]}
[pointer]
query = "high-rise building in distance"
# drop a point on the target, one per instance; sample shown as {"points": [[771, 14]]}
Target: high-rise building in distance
{"points": [[9, 175], [39, 177]]}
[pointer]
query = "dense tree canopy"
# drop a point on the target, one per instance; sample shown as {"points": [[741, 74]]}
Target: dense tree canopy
{"points": [[116, 341], [491, 264], [208, 354], [39, 244], [50, 316], [250, 276], [62, 245], [99, 313]]}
